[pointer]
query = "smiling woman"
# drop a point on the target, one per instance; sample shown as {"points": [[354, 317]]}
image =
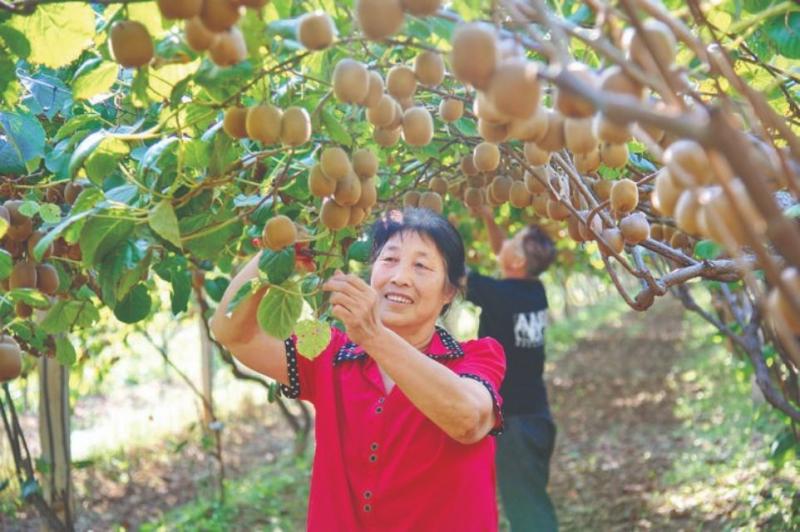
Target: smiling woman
{"points": [[403, 411]]}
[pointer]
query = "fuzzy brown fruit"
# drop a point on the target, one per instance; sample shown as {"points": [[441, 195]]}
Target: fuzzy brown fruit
{"points": [[659, 36], [578, 135], [665, 193], [500, 187], [417, 126], [382, 113], [431, 200], [131, 44], [229, 48], [365, 163], [514, 88], [518, 195], [451, 109], [615, 80], [179, 9], [486, 156], [357, 215], [379, 19], [319, 184], [334, 216], [493, 132], [635, 228], [586, 163], [411, 198], [198, 37], [602, 188], [350, 81], [438, 184], [10, 359], [375, 89], [219, 15], [263, 123], [21, 226], [612, 237], [348, 190], [614, 155], [624, 196], [295, 126], [23, 275], [475, 53], [468, 166], [553, 139], [46, 279], [557, 210], [335, 163], [686, 210], [369, 194], [534, 181], [235, 122], [422, 8], [429, 68], [401, 82], [279, 232], [569, 103], [315, 30], [72, 190], [606, 130], [386, 137], [688, 163], [780, 309]]}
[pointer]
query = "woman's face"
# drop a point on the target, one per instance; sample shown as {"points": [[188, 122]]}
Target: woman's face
{"points": [[410, 277]]}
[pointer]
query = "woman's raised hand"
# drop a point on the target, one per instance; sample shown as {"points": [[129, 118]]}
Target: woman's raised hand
{"points": [[355, 303]]}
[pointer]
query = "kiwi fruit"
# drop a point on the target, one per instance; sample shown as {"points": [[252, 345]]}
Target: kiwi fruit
{"points": [[411, 198], [486, 156], [613, 237], [369, 194], [398, 116], [34, 239], [531, 129], [263, 123], [382, 114], [778, 303], [468, 165], [688, 163], [429, 68], [357, 215], [365, 163], [295, 126], [493, 132], [229, 48], [219, 15], [431, 200], [534, 181], [379, 19], [10, 359], [279, 232], [319, 184], [514, 88], [553, 139], [417, 126], [635, 228], [401, 82], [624, 196], [23, 310], [665, 193], [568, 102], [179, 9], [686, 210], [518, 195], [198, 37], [14, 248], [235, 122], [315, 30], [334, 216], [473, 197], [484, 109], [536, 155], [615, 80], [539, 204], [23, 275], [660, 36], [475, 53], [438, 184], [578, 135], [557, 210], [21, 226], [46, 279], [350, 81], [72, 190], [657, 231], [721, 218], [501, 187], [587, 163], [607, 130], [573, 228], [451, 109], [422, 8], [680, 240], [74, 252], [386, 137], [602, 188], [614, 155], [374, 90], [335, 163], [348, 190], [131, 44]]}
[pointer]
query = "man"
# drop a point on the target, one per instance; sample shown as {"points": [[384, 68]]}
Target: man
{"points": [[514, 312]]}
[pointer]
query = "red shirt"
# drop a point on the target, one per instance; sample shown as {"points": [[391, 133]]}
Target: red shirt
{"points": [[380, 464]]}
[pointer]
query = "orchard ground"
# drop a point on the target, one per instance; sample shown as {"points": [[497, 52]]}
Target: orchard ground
{"points": [[658, 428]]}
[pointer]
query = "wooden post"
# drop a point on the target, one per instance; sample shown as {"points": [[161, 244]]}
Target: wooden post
{"points": [[54, 432], [206, 371]]}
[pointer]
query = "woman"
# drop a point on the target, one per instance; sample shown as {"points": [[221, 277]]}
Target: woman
{"points": [[403, 411]]}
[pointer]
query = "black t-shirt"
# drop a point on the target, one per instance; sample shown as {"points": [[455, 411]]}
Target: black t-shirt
{"points": [[514, 312]]}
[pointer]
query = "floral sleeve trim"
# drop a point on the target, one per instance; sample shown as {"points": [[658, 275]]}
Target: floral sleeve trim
{"points": [[292, 391], [498, 427]]}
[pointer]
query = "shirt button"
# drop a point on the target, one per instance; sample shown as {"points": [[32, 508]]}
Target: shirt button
{"points": [[374, 446], [367, 507], [373, 458], [367, 494], [379, 410]]}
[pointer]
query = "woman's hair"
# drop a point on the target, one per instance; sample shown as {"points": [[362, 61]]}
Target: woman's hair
{"points": [[429, 224], [539, 250]]}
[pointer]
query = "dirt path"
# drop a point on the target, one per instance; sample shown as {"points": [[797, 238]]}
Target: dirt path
{"points": [[615, 422]]}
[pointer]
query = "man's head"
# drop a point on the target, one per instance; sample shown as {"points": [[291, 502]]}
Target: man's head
{"points": [[526, 254]]}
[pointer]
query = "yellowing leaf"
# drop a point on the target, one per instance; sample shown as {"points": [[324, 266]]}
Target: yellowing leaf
{"points": [[164, 222], [58, 33], [95, 81], [162, 80]]}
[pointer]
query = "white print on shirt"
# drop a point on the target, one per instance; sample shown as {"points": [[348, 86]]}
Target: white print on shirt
{"points": [[529, 328]]}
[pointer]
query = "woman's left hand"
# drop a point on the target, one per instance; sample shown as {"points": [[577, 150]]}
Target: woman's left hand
{"points": [[355, 303]]}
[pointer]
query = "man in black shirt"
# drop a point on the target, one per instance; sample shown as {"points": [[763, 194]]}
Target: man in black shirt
{"points": [[514, 312]]}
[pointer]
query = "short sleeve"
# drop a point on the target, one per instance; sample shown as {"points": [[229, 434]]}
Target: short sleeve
{"points": [[485, 361], [303, 371], [479, 288]]}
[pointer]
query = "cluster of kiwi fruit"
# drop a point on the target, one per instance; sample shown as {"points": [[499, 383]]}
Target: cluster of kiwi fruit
{"points": [[347, 186], [268, 124]]}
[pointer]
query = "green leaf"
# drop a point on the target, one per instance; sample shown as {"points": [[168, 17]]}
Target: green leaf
{"points": [[53, 234], [84, 149], [30, 296], [15, 41], [279, 311], [196, 154], [68, 314], [65, 352], [121, 269], [6, 264], [216, 287], [58, 33], [335, 130], [313, 337], [50, 213], [207, 235], [784, 31], [278, 265], [101, 235], [104, 159], [707, 249], [29, 208], [136, 305], [164, 222], [359, 251], [181, 291], [24, 134], [96, 79]]}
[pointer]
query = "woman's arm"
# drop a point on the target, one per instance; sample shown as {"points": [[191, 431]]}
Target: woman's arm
{"points": [[240, 333], [496, 234]]}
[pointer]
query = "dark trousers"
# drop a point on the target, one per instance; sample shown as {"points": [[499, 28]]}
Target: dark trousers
{"points": [[523, 468]]}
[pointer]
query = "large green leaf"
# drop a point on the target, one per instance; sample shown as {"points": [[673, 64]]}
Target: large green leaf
{"points": [[94, 78], [312, 337], [136, 305], [65, 352], [279, 311], [164, 222], [24, 134], [101, 234], [335, 128], [784, 31], [66, 315], [84, 149], [58, 33], [104, 159], [121, 269], [15, 41], [278, 265], [207, 235]]}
